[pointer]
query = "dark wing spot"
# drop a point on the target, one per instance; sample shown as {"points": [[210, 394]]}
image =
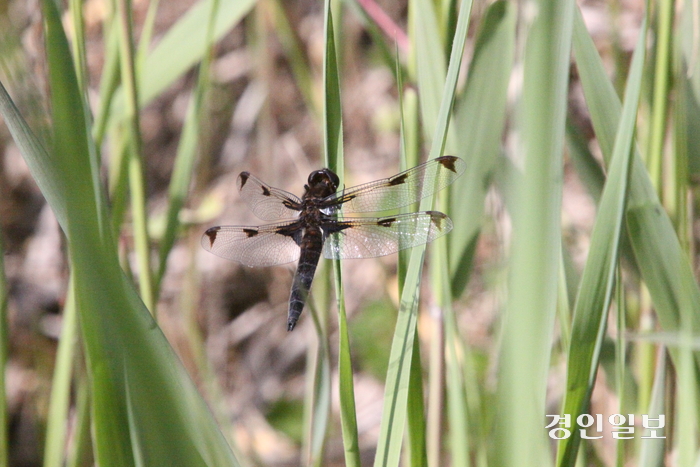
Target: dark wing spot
{"points": [[243, 177], [398, 180], [330, 228], [448, 162], [437, 218], [386, 222], [295, 231], [250, 232], [211, 233], [266, 192]]}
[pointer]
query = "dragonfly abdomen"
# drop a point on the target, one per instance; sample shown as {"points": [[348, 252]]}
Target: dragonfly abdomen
{"points": [[311, 247]]}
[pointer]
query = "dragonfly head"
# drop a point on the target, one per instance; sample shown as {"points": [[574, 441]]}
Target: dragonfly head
{"points": [[322, 183]]}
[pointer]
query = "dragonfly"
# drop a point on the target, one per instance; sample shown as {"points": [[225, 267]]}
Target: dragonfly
{"points": [[317, 223]]}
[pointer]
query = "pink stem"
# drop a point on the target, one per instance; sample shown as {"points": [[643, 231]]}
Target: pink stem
{"points": [[385, 23]]}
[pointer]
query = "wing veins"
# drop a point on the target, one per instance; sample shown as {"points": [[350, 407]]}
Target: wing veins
{"points": [[351, 238], [400, 190], [265, 201], [265, 245]]}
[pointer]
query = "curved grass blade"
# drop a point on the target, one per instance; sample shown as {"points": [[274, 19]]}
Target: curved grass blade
{"points": [[536, 246], [597, 283], [42, 166], [663, 264], [121, 339]]}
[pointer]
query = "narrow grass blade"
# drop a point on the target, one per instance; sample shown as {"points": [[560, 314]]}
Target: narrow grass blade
{"points": [[346, 387], [597, 283], [397, 381], [76, 12], [416, 424], [61, 384], [395, 393], [42, 166], [660, 89], [332, 111], [137, 176], [333, 125], [447, 92], [591, 174], [451, 347], [318, 394], [147, 32], [622, 372], [664, 266], [536, 246], [81, 454]]}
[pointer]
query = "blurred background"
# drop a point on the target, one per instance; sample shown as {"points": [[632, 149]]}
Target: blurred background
{"points": [[262, 114]]}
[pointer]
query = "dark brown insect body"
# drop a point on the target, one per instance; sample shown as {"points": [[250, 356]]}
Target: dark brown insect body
{"points": [[322, 183], [315, 226]]}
